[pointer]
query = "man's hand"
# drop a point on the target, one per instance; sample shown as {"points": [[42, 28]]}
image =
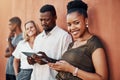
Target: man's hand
{"points": [[39, 59], [11, 34], [45, 58], [30, 60]]}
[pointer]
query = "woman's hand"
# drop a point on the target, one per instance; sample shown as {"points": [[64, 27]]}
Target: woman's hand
{"points": [[61, 66]]}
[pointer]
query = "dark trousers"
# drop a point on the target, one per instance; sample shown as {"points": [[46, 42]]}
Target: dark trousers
{"points": [[10, 77]]}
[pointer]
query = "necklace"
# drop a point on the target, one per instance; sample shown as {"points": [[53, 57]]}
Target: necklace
{"points": [[81, 42]]}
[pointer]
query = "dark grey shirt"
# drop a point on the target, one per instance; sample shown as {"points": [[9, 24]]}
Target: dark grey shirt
{"points": [[9, 67], [80, 57]]}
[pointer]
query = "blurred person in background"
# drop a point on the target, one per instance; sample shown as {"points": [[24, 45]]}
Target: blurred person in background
{"points": [[14, 37]]}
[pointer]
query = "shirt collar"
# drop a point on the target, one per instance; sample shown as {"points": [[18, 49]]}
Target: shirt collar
{"points": [[51, 32]]}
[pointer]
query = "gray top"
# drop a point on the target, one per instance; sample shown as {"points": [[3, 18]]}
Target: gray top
{"points": [[9, 67]]}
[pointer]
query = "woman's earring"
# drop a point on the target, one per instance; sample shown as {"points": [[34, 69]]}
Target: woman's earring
{"points": [[86, 24]]}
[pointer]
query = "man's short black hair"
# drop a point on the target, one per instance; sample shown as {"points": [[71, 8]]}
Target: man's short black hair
{"points": [[16, 20], [48, 7]]}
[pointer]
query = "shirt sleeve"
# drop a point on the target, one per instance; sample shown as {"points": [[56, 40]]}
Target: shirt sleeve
{"points": [[67, 39], [16, 53], [36, 44], [94, 44]]}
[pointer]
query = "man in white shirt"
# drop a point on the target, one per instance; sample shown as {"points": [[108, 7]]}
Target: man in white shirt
{"points": [[53, 41]]}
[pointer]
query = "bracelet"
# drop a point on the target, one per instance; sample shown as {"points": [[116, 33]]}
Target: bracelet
{"points": [[75, 72]]}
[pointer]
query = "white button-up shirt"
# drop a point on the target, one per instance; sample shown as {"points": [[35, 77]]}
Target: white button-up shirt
{"points": [[23, 46], [54, 44]]}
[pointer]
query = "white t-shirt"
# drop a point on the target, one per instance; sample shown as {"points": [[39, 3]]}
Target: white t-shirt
{"points": [[23, 46], [54, 45]]}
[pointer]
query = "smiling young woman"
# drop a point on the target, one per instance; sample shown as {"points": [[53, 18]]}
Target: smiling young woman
{"points": [[85, 59], [26, 45]]}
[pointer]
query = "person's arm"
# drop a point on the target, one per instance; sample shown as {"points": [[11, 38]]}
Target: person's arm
{"points": [[16, 63], [10, 48], [9, 51], [7, 55], [17, 56], [100, 64]]}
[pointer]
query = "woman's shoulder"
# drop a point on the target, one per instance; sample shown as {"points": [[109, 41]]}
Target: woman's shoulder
{"points": [[94, 40], [94, 43]]}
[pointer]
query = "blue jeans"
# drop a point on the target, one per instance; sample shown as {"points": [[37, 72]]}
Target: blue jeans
{"points": [[24, 74]]}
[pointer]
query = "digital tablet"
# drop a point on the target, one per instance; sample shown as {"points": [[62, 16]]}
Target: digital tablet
{"points": [[28, 53], [31, 53]]}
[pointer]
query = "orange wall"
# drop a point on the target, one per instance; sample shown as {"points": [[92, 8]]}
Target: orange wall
{"points": [[103, 21]]}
